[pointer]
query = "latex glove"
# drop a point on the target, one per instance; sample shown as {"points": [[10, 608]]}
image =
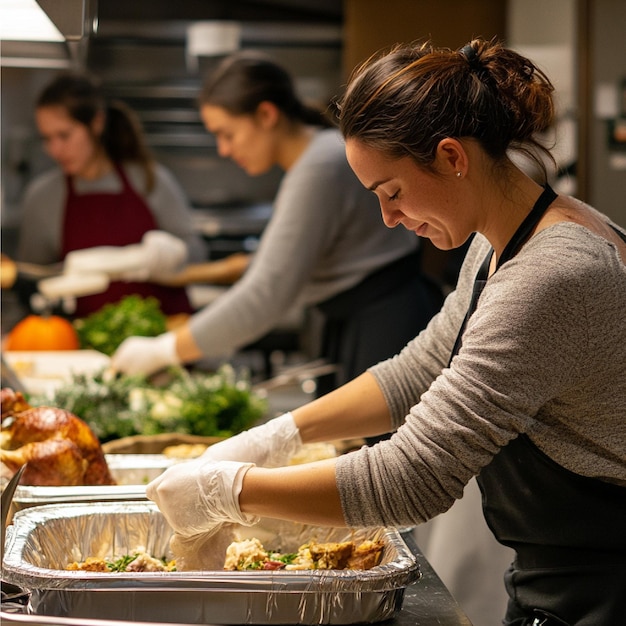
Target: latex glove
{"points": [[204, 551], [145, 355], [200, 496], [162, 254], [270, 445]]}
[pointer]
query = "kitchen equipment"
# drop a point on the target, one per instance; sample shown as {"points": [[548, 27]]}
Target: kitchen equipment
{"points": [[9, 376], [296, 374], [5, 503], [131, 472], [35, 270], [44, 371]]}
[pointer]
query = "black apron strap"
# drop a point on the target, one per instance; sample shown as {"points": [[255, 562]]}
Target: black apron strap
{"points": [[524, 231]]}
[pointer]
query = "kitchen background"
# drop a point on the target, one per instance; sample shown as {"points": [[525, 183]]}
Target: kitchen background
{"points": [[143, 51], [146, 54]]}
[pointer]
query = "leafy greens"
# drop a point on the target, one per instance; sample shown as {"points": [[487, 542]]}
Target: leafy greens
{"points": [[210, 405]]}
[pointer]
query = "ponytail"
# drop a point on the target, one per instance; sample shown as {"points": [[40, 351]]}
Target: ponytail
{"points": [[408, 99]]}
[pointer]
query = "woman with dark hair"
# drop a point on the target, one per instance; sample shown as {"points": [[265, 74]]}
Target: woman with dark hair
{"points": [[324, 245], [520, 380], [108, 191]]}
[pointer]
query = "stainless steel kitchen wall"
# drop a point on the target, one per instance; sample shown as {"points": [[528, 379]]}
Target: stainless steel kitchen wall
{"points": [[139, 50]]}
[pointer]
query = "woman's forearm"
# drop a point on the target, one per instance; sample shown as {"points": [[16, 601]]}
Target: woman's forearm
{"points": [[356, 409], [221, 272], [302, 493], [308, 493], [186, 347]]}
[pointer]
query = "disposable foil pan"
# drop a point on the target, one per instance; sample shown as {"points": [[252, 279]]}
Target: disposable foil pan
{"points": [[137, 469], [130, 471], [43, 540]]}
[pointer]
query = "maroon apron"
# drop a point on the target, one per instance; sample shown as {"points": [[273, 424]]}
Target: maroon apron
{"points": [[114, 219]]}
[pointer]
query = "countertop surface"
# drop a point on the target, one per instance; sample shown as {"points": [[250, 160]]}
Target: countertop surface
{"points": [[428, 602]]}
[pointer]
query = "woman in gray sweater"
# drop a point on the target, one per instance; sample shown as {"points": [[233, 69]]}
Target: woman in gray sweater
{"points": [[520, 380], [324, 245]]}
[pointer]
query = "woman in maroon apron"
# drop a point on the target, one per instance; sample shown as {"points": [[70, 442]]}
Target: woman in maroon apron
{"points": [[94, 219], [100, 150]]}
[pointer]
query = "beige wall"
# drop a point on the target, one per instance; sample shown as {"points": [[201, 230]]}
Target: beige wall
{"points": [[374, 24], [606, 85]]}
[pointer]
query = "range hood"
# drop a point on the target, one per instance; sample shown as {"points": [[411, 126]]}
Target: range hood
{"points": [[75, 19]]}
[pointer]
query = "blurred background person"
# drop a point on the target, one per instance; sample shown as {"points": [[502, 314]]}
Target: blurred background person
{"points": [[107, 191], [324, 247]]}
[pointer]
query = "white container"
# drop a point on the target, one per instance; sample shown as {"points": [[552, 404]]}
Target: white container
{"points": [[42, 372]]}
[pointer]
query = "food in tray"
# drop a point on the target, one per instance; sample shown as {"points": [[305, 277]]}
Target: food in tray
{"points": [[46, 539], [136, 561], [59, 447], [249, 554], [185, 450], [310, 452]]}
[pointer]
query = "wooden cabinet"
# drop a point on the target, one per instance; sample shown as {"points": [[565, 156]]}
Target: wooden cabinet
{"points": [[374, 24]]}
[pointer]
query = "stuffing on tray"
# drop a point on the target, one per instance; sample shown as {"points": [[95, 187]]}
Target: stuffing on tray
{"points": [[185, 450], [137, 561], [249, 554]]}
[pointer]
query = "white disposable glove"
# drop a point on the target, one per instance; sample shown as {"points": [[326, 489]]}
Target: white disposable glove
{"points": [[200, 496], [204, 551], [270, 445], [157, 255], [145, 355], [162, 253]]}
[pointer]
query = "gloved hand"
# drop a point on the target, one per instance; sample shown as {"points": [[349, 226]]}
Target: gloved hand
{"points": [[145, 355], [162, 254], [200, 496], [204, 551], [270, 445]]}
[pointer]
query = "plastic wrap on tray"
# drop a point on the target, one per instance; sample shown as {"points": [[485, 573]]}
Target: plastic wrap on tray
{"points": [[43, 540]]}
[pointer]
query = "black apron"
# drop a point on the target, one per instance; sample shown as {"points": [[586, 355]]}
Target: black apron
{"points": [[376, 318], [568, 530]]}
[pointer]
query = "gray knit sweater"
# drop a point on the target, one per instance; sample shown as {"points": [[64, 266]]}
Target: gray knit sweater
{"points": [[544, 354], [325, 236]]}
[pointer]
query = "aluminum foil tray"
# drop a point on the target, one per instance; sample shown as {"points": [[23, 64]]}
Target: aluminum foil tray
{"points": [[137, 469], [43, 540], [131, 472]]}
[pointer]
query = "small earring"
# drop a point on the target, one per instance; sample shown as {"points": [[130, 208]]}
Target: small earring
{"points": [[458, 174]]}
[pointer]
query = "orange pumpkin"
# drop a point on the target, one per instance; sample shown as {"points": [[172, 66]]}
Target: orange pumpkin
{"points": [[38, 332]]}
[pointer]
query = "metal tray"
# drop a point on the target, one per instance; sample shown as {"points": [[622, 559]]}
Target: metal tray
{"points": [[44, 539], [131, 471], [137, 469]]}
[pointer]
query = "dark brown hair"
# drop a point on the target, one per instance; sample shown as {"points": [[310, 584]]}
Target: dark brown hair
{"points": [[83, 99], [406, 100], [243, 80]]}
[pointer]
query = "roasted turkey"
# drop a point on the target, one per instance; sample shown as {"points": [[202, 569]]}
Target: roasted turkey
{"points": [[59, 447]]}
